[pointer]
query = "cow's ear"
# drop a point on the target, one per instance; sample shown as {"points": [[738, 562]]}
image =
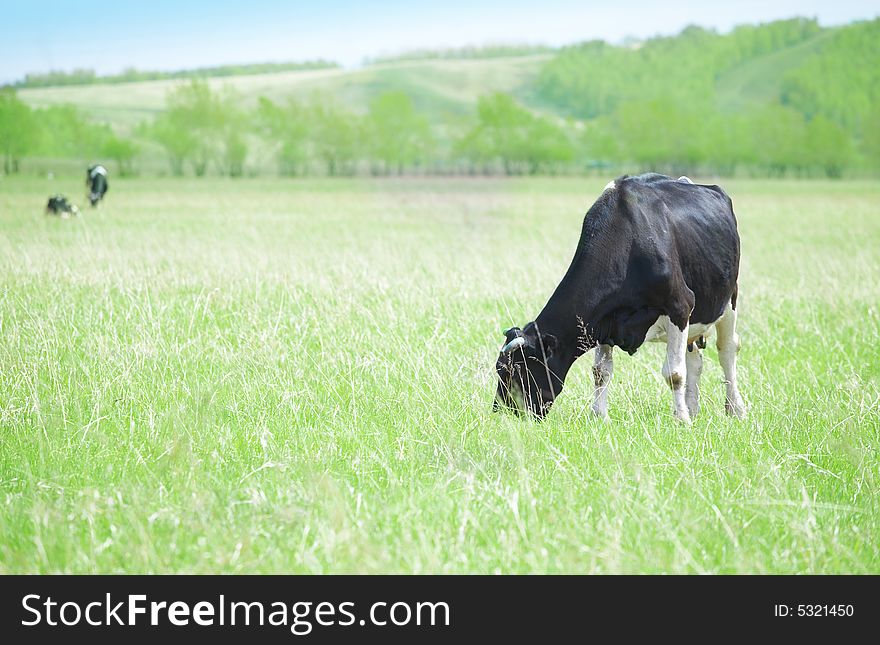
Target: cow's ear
{"points": [[550, 343]]}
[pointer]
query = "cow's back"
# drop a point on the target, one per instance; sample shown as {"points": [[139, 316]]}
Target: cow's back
{"points": [[687, 227]]}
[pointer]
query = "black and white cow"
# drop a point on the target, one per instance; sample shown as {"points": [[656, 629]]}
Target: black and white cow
{"points": [[657, 260], [96, 180], [59, 205]]}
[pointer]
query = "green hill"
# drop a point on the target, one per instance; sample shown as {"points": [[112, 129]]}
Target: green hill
{"points": [[788, 97], [438, 88], [759, 80], [746, 68]]}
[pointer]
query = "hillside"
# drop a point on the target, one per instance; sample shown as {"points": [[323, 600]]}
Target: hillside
{"points": [[785, 98], [760, 79], [741, 70], [438, 88]]}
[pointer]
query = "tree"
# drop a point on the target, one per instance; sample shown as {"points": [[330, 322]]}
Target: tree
{"points": [[547, 146], [168, 131], [64, 132], [285, 128], [199, 127], [871, 137], [192, 107], [334, 136], [659, 134], [123, 152], [234, 152], [599, 146], [508, 133], [191, 127], [18, 133], [231, 124], [726, 142], [828, 146], [398, 137], [778, 139]]}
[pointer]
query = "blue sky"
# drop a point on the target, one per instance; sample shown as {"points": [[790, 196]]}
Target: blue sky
{"points": [[109, 36]]}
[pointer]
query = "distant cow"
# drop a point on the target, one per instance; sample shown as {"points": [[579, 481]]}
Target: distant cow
{"points": [[96, 180], [58, 205], [657, 260]]}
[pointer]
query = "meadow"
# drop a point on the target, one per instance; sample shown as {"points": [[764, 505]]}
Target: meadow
{"points": [[269, 375]]}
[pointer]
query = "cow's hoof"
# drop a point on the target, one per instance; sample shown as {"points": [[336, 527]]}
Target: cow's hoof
{"points": [[735, 408], [601, 415], [682, 416]]}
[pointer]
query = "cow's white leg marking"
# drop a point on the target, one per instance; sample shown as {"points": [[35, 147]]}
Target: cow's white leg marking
{"points": [[603, 368], [675, 368], [728, 346], [694, 363]]}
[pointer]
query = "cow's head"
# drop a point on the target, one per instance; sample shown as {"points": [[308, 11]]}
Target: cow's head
{"points": [[530, 371]]}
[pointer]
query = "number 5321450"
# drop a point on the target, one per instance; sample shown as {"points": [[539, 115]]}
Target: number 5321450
{"points": [[824, 610]]}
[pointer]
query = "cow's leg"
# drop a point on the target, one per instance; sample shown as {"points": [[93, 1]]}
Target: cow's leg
{"points": [[675, 368], [728, 346], [603, 368], [694, 364]]}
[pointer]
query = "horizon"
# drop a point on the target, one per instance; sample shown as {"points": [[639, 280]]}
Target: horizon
{"points": [[125, 37]]}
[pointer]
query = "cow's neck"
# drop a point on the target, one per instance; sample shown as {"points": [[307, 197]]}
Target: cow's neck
{"points": [[579, 301]]}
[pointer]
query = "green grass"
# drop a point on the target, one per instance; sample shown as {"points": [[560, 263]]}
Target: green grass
{"points": [[296, 376]]}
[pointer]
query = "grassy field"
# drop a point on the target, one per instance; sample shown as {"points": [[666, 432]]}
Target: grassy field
{"points": [[296, 376]]}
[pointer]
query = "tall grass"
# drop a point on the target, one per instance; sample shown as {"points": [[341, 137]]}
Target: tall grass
{"points": [[297, 376]]}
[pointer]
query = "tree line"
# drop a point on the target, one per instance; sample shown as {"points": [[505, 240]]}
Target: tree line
{"points": [[465, 53], [204, 131], [614, 109], [84, 76], [57, 131]]}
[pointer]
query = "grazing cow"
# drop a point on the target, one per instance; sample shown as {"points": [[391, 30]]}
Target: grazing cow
{"points": [[96, 180], [58, 205], [657, 260]]}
